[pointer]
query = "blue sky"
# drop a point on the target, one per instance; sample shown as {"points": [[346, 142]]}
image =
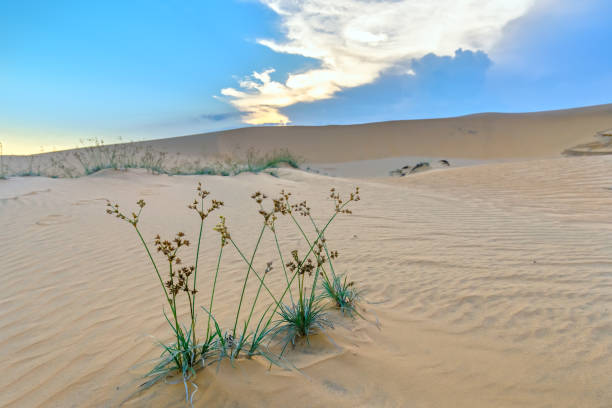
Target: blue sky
{"points": [[73, 70]]}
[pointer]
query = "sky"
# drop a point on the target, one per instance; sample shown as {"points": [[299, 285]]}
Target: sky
{"points": [[72, 71]]}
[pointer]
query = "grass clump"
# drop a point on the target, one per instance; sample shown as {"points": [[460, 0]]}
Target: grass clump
{"points": [[94, 155], [98, 156], [306, 315], [343, 294], [296, 312], [256, 163], [252, 162]]}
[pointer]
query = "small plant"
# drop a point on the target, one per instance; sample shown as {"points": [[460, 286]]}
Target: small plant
{"points": [[304, 317], [98, 156], [256, 163], [301, 316], [343, 293], [182, 355], [234, 165]]}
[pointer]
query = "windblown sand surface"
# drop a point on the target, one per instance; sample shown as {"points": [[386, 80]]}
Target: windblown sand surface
{"points": [[492, 285], [481, 136], [485, 285]]}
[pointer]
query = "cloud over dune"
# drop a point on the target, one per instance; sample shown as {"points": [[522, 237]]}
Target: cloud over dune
{"points": [[357, 40]]}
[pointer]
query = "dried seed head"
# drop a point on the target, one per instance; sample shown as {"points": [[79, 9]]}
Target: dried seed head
{"points": [[301, 208], [268, 216], [182, 281], [307, 267], [169, 249], [258, 197], [113, 209], [281, 204], [340, 204], [221, 228], [198, 205]]}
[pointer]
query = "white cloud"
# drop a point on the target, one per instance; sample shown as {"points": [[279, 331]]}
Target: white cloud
{"points": [[357, 40]]}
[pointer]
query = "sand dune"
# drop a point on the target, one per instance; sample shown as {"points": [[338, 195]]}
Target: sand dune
{"points": [[481, 136], [491, 281], [491, 284], [367, 150]]}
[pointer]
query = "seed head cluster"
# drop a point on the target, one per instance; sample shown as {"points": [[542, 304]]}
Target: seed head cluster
{"points": [[339, 203], [301, 208], [181, 282], [198, 205], [307, 266], [170, 248], [318, 252], [281, 204], [268, 216], [113, 209]]}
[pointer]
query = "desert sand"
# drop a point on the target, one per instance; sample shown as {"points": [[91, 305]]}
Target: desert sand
{"points": [[480, 136], [485, 285]]}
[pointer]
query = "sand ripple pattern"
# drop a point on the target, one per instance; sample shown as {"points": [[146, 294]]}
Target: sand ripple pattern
{"points": [[493, 286]]}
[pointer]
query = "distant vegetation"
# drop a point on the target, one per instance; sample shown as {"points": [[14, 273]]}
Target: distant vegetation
{"points": [[231, 166], [97, 156], [2, 173], [600, 147], [420, 166]]}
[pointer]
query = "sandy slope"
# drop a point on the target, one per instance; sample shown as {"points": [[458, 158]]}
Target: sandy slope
{"points": [[372, 149], [492, 284], [481, 136]]}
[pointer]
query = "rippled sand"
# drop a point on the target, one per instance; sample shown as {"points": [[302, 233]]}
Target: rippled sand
{"points": [[492, 285]]}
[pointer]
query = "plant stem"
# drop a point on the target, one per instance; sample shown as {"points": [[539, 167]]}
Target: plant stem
{"points": [[263, 228], [212, 295], [308, 241], [161, 281], [280, 254], [314, 285], [255, 272], [255, 301], [195, 274], [331, 266], [173, 306]]}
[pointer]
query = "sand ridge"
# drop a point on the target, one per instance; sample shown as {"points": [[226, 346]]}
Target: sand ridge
{"points": [[464, 140], [481, 136]]}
